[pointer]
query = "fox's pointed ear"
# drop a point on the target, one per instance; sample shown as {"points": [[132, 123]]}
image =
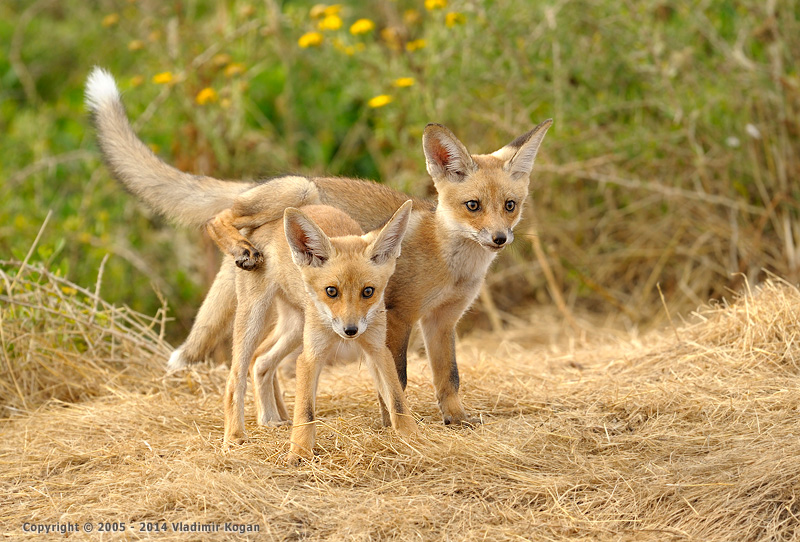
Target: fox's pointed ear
{"points": [[445, 156], [520, 154], [387, 243], [309, 244]]}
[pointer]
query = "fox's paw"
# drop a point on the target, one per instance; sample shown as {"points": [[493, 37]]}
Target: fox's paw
{"points": [[249, 259], [236, 439], [462, 421], [296, 457], [274, 423]]}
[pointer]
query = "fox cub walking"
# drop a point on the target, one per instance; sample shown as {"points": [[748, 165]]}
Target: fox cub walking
{"points": [[328, 281]]}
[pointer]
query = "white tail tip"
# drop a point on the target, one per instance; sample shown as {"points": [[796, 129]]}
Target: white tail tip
{"points": [[101, 89], [176, 361]]}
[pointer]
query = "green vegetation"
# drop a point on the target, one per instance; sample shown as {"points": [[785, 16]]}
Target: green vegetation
{"points": [[672, 160]]}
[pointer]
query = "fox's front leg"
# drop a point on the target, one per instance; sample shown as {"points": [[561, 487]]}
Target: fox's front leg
{"points": [[398, 333], [223, 231], [438, 331], [385, 376], [304, 425]]}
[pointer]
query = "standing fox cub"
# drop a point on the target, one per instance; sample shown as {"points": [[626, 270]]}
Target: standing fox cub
{"points": [[328, 283], [447, 249]]}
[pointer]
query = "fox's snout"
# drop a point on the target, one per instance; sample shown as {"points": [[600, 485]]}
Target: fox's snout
{"points": [[499, 238], [496, 239], [348, 330]]}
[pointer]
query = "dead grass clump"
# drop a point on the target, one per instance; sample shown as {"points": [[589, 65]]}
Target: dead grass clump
{"points": [[762, 327], [61, 341], [679, 436]]}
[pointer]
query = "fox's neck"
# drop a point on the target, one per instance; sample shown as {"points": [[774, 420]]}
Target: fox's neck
{"points": [[466, 259]]}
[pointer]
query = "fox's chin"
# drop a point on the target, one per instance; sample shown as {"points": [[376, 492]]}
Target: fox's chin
{"points": [[493, 248], [348, 337]]}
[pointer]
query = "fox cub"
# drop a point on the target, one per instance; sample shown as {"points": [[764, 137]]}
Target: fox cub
{"points": [[327, 282]]}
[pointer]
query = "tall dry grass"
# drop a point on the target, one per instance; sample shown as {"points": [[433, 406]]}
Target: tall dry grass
{"points": [[62, 342]]}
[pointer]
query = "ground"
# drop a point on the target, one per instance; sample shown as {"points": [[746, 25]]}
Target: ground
{"points": [[688, 433]]}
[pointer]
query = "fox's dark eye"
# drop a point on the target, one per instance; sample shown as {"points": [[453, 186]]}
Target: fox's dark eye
{"points": [[473, 205], [368, 291], [511, 205], [331, 291]]}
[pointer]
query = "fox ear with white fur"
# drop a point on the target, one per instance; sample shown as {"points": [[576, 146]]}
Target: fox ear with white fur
{"points": [[520, 154], [387, 243], [309, 244], [445, 156]]}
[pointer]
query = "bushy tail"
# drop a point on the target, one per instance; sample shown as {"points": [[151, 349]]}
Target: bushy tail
{"points": [[190, 200]]}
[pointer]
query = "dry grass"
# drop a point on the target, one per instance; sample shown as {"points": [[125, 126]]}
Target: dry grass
{"points": [[687, 434]]}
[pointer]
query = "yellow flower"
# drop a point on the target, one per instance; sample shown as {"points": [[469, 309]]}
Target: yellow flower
{"points": [[207, 95], [135, 45], [162, 78], [234, 68], [453, 18], [415, 44], [361, 26], [69, 290], [310, 39], [379, 101], [430, 5], [330, 22], [110, 20], [404, 82], [333, 9]]}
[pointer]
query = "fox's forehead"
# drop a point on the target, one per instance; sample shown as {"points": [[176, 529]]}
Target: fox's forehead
{"points": [[487, 161], [491, 181], [350, 264], [348, 245], [350, 275]]}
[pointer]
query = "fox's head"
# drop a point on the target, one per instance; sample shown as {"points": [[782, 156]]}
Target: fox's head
{"points": [[481, 196], [346, 276]]}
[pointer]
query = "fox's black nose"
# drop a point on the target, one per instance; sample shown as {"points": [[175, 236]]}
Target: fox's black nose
{"points": [[499, 238], [350, 330]]}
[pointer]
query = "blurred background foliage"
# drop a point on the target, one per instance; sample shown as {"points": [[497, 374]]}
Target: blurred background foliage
{"points": [[673, 160]]}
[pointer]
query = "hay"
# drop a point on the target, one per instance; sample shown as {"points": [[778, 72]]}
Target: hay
{"points": [[689, 434], [61, 341]]}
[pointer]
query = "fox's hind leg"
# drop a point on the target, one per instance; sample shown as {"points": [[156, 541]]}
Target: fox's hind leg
{"points": [[213, 323], [224, 233], [248, 331], [286, 337]]}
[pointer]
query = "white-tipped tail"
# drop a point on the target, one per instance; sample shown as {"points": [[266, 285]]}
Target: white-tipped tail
{"points": [[191, 200], [101, 89]]}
